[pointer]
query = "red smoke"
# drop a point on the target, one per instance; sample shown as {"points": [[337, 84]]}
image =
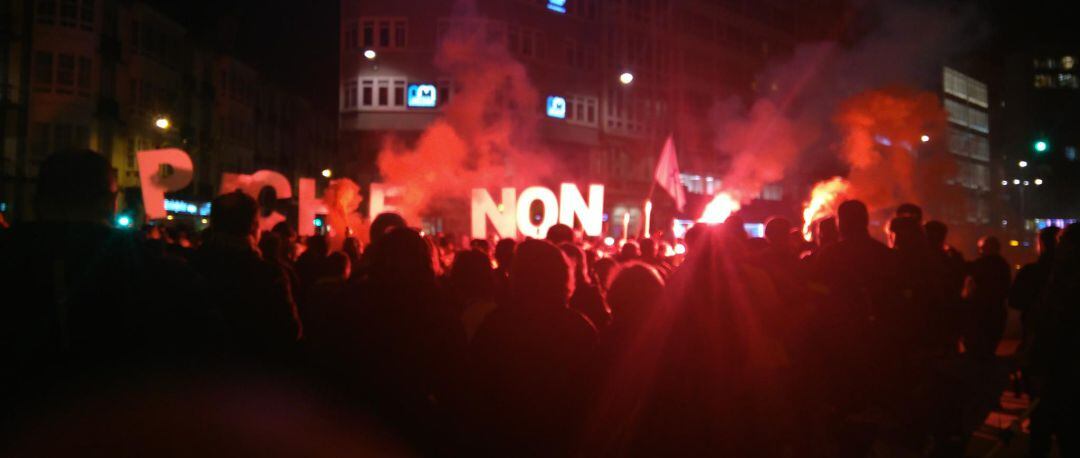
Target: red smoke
{"points": [[485, 135], [881, 143]]}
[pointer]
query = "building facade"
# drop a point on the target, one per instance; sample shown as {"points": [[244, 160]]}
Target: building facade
{"points": [[107, 75], [684, 56], [967, 105]]}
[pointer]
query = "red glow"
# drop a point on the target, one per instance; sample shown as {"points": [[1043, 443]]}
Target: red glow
{"points": [[823, 201], [718, 211]]}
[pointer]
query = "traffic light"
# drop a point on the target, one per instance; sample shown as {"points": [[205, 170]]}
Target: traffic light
{"points": [[1041, 146]]}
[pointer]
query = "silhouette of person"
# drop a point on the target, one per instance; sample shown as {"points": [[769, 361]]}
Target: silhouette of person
{"points": [[859, 275], [351, 248], [986, 290], [1052, 352], [1031, 279], [587, 297], [953, 280], [472, 284], [410, 339], [251, 294], [311, 264], [530, 359], [560, 234], [629, 252], [504, 257], [910, 210]]}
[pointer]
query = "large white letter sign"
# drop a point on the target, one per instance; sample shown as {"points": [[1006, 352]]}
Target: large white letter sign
{"points": [[377, 203], [253, 184], [155, 183], [524, 205], [501, 215], [307, 206], [591, 215]]}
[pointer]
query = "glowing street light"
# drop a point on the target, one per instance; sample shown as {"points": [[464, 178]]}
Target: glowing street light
{"points": [[1016, 181], [1004, 182], [1041, 146], [1038, 182], [370, 54], [326, 173], [925, 138], [1022, 164], [162, 123], [123, 221], [626, 78]]}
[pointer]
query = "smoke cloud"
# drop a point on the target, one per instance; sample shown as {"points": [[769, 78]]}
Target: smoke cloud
{"points": [[486, 135], [818, 112]]}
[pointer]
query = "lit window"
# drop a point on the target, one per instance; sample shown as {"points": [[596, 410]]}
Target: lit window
{"points": [[1067, 62]]}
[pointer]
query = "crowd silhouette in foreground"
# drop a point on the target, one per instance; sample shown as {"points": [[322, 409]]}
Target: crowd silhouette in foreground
{"points": [[228, 342]]}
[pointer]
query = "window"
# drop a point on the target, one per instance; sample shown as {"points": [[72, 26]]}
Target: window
{"points": [[352, 31], [1043, 81], [383, 32], [399, 34], [369, 34], [581, 110], [84, 76], [350, 95], [43, 71], [367, 93], [69, 12], [86, 15], [46, 12], [382, 94], [65, 72], [399, 93]]}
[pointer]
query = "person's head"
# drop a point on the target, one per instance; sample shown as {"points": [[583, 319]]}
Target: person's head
{"points": [[270, 246], [540, 275], [734, 228], [905, 233], [936, 233], [471, 275], [576, 256], [777, 230], [827, 232], [76, 185], [402, 257], [604, 269], [648, 248], [383, 224], [481, 245], [560, 233], [1048, 238], [854, 219], [504, 252], [285, 231], [235, 214], [317, 246], [695, 234], [910, 210], [989, 246], [629, 251], [633, 292], [338, 266], [1068, 244]]}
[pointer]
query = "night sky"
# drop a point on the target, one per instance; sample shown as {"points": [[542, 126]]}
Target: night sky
{"points": [[295, 44]]}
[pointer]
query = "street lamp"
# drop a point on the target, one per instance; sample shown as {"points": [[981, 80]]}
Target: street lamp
{"points": [[626, 78], [925, 138], [326, 173], [370, 54], [1041, 146], [162, 123], [1038, 182], [1022, 164], [1004, 182]]}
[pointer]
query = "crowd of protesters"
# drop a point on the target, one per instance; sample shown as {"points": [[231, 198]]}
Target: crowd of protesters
{"points": [[739, 347]]}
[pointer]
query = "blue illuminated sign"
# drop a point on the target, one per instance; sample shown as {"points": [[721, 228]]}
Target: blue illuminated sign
{"points": [[556, 107], [189, 208], [423, 95], [558, 6]]}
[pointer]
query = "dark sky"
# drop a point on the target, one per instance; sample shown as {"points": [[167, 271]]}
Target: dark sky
{"points": [[295, 43], [292, 43]]}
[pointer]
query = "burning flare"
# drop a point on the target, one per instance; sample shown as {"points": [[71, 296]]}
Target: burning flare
{"points": [[718, 211], [823, 201]]}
